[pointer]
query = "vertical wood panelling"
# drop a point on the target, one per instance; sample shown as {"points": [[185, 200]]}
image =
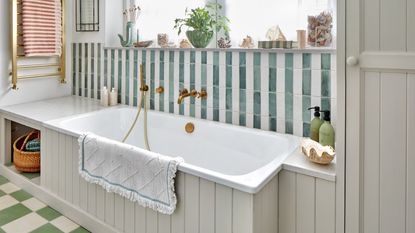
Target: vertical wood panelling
{"points": [[305, 204], [151, 221], [191, 208], [119, 212], [140, 219], [75, 176], [287, 206], [410, 155], [177, 220], [371, 152], [392, 25], [223, 209], [55, 161], [100, 203], [164, 223], [207, 206], [61, 156], [68, 168], [371, 24], [109, 208], [410, 41], [265, 208], [325, 203], [393, 155], [242, 214]]}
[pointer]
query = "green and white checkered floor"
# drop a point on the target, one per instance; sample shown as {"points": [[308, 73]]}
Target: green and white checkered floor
{"points": [[22, 213]]}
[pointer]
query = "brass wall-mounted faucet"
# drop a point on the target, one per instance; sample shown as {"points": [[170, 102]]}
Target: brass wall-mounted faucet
{"points": [[143, 85], [193, 93]]}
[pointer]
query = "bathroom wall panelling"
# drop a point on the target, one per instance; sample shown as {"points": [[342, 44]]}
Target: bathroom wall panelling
{"points": [[289, 203], [258, 89]]}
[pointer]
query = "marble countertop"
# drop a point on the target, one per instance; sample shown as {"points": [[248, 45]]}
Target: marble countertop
{"points": [[51, 109]]}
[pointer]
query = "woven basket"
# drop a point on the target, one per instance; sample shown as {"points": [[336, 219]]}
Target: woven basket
{"points": [[26, 161]]}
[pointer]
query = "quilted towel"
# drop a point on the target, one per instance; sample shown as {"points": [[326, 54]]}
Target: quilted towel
{"points": [[136, 174], [42, 27]]}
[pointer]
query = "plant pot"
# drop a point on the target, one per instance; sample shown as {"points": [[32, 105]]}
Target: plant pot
{"points": [[199, 39]]}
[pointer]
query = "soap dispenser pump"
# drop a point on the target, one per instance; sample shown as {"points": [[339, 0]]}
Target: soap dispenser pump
{"points": [[326, 134], [315, 124]]}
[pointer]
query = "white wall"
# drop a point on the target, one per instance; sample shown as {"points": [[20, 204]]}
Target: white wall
{"points": [[29, 90]]}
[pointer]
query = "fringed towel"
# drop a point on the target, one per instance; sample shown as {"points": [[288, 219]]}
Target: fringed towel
{"points": [[42, 27], [136, 174]]}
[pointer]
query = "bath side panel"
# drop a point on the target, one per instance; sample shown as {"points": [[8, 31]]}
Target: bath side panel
{"points": [[265, 208]]}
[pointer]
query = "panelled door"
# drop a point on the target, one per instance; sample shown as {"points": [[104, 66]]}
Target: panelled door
{"points": [[380, 116]]}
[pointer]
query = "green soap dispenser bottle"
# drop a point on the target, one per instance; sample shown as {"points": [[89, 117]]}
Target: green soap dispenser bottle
{"points": [[315, 124], [326, 131]]}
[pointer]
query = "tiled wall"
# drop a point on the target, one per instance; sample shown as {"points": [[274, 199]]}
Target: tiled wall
{"points": [[259, 89]]}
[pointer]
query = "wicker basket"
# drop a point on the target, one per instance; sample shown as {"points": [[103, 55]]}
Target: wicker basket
{"points": [[26, 161]]}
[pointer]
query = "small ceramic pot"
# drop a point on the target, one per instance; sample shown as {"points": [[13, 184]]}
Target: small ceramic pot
{"points": [[199, 39]]}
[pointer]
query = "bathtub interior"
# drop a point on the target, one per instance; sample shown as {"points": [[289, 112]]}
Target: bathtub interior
{"points": [[215, 146]]}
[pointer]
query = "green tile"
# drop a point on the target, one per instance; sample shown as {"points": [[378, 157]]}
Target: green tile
{"points": [[192, 57], [181, 57], [99, 73], [272, 85], [215, 97], [242, 77], [216, 114], [325, 83], [289, 127], [161, 58], [12, 213], [289, 81], [2, 193], [171, 56], [273, 124], [242, 119], [306, 82], [289, 60], [1, 231], [216, 58], [325, 103], [204, 76], [242, 59], [80, 230], [30, 175], [228, 58], [257, 121], [257, 78], [306, 61], [47, 228], [229, 117], [272, 60], [257, 59], [228, 98], [306, 129], [257, 103], [204, 57], [21, 195], [272, 104], [215, 75], [242, 101], [325, 61], [3, 180], [289, 106], [229, 76], [48, 213], [306, 105]]}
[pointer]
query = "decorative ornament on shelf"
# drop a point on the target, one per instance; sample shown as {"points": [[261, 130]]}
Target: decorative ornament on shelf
{"points": [[317, 153], [143, 44], [319, 29], [275, 34], [130, 16], [224, 43], [185, 44], [247, 43], [163, 41]]}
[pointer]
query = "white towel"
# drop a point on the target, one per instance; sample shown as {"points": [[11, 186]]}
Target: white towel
{"points": [[42, 27], [134, 173]]}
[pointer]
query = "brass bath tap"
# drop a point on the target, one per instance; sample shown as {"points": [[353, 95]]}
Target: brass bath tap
{"points": [[143, 85], [185, 93]]}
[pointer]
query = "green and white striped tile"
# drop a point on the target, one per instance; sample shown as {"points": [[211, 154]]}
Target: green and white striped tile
{"points": [[265, 90]]}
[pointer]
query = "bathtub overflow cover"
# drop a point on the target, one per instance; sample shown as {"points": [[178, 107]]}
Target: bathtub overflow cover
{"points": [[190, 127]]}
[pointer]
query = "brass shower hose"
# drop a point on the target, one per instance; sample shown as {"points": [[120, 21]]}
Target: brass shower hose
{"points": [[142, 102]]}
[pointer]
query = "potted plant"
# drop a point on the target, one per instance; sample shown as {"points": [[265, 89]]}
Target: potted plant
{"points": [[201, 24]]}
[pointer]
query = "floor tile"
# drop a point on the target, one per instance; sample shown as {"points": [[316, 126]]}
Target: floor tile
{"points": [[3, 180], [9, 188], [80, 230], [21, 195], [47, 228], [25, 224], [2, 193], [12, 213], [48, 213], [7, 201], [64, 224], [30, 175], [34, 204]]}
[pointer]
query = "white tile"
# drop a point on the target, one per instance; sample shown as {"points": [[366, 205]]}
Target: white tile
{"points": [[209, 114], [9, 188], [25, 224], [209, 60], [315, 101], [298, 128], [176, 80], [298, 81], [280, 105], [280, 80], [280, 125], [333, 85], [249, 77], [298, 107], [156, 80], [123, 76], [222, 98], [249, 120], [222, 76], [222, 115], [235, 59], [316, 83], [264, 104], [316, 61], [235, 118], [250, 59], [209, 72], [34, 204], [249, 101], [298, 60], [64, 224], [222, 58], [186, 57], [333, 112], [333, 62], [6, 201], [281, 60], [209, 100], [265, 59]]}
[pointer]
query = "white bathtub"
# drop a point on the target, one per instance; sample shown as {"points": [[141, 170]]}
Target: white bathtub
{"points": [[238, 157]]}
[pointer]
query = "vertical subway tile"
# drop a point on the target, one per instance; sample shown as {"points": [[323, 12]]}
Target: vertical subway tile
{"points": [[306, 105], [85, 87], [161, 79], [73, 68], [127, 77], [171, 81], [135, 78], [257, 103], [272, 60], [119, 75], [325, 61], [99, 71], [272, 104], [326, 103], [325, 83], [257, 78], [181, 78]]}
